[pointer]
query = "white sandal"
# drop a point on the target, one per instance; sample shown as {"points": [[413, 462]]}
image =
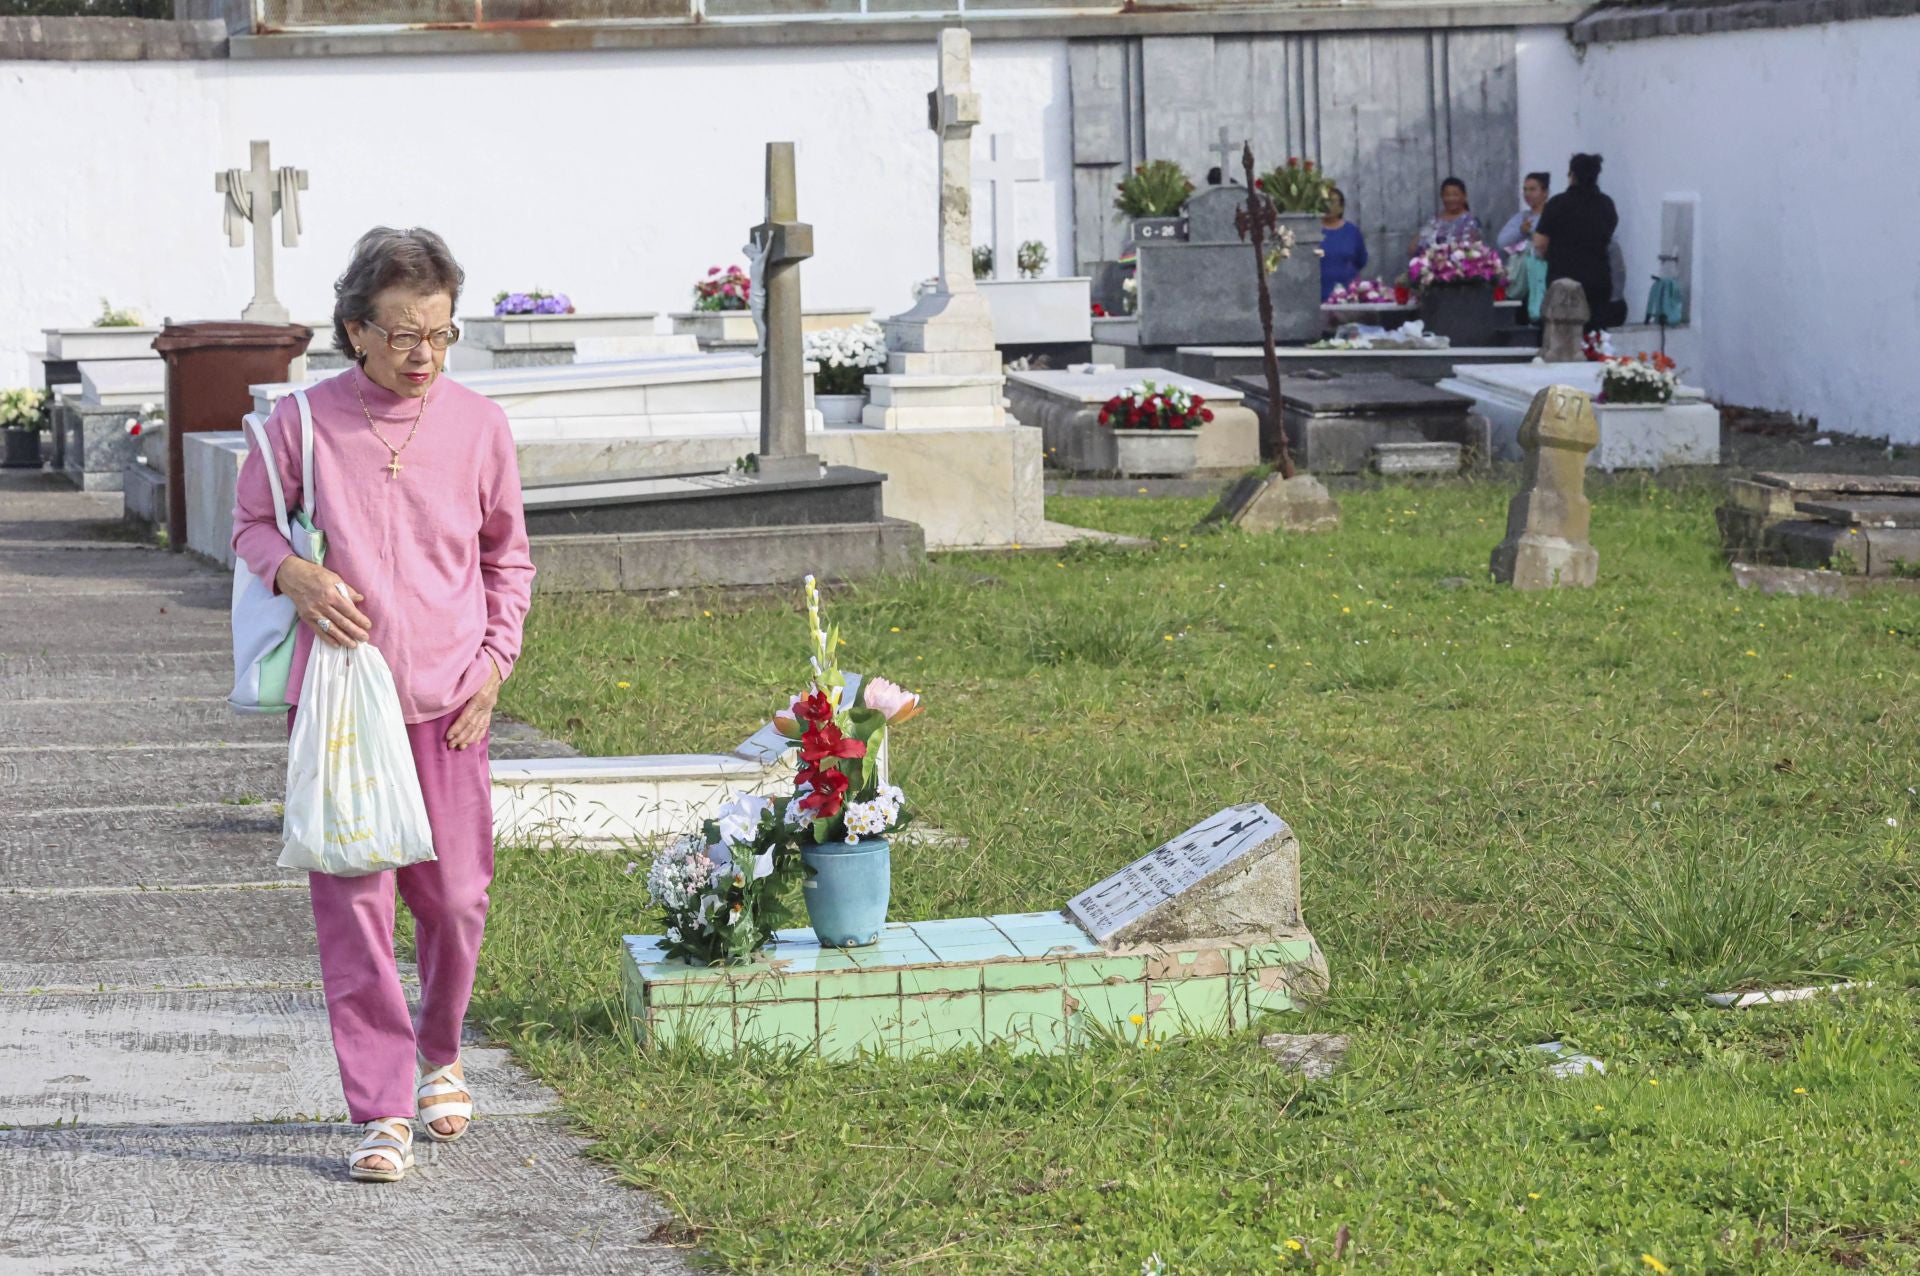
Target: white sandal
{"points": [[390, 1139], [434, 1084]]}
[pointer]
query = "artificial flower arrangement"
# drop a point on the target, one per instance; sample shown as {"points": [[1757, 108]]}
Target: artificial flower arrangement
{"points": [[537, 302], [722, 289], [20, 409], [1459, 262], [1152, 406], [1158, 188], [1366, 292], [1597, 346], [1297, 187], [983, 261], [123, 317], [1643, 378], [151, 418], [720, 890], [1031, 258], [845, 356]]}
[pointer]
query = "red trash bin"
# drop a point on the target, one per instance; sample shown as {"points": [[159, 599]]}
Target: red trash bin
{"points": [[210, 366]]}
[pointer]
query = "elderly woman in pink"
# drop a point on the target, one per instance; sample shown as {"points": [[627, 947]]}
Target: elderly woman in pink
{"points": [[420, 503]]}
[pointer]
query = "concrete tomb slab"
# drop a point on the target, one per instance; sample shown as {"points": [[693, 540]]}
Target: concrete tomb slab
{"points": [[1632, 436], [1066, 406], [1334, 424]]}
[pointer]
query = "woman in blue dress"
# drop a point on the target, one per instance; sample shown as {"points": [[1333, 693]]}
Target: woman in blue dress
{"points": [[1343, 249]]}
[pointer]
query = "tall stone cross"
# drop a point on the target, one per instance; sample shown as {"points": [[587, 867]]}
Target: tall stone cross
{"points": [[953, 108], [780, 244], [1002, 170], [1227, 151], [254, 195]]}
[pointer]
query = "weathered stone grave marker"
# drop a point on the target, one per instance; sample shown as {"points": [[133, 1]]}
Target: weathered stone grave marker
{"points": [[1563, 321], [1546, 545], [1236, 874]]}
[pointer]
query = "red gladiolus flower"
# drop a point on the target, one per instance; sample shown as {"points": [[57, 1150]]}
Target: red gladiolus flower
{"points": [[828, 792], [1206, 414], [814, 707], [829, 742]]}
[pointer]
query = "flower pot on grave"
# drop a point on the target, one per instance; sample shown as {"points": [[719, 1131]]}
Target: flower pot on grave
{"points": [[846, 889], [1462, 313], [1155, 453], [22, 448], [840, 409]]}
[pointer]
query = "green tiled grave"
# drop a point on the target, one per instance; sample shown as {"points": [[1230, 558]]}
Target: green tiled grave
{"points": [[1034, 980]]}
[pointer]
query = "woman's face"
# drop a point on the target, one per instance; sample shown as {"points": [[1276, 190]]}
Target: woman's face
{"points": [[400, 314], [1336, 206], [1536, 193], [1453, 201]]}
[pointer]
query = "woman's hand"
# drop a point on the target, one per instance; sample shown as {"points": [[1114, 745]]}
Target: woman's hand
{"points": [[471, 726], [320, 596]]}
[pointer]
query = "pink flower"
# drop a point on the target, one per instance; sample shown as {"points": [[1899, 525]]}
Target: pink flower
{"points": [[895, 703]]}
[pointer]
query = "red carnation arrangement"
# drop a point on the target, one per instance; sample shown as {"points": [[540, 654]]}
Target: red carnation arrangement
{"points": [[1152, 406]]}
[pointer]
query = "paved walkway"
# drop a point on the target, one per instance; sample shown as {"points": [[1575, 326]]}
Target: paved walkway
{"points": [[168, 1099]]}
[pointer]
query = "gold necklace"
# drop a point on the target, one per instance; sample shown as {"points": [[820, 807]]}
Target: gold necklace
{"points": [[392, 467]]}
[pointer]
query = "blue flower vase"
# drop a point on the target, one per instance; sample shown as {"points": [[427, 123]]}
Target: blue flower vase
{"points": [[846, 888]]}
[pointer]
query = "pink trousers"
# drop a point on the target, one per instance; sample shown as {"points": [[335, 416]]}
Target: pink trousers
{"points": [[374, 1037]]}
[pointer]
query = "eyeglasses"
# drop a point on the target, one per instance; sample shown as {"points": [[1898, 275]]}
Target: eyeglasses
{"points": [[409, 340]]}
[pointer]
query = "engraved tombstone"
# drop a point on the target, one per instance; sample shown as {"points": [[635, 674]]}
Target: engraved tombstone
{"points": [[1201, 290], [1235, 875]]}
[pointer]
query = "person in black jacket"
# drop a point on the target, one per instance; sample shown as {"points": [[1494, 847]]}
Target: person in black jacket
{"points": [[1573, 233]]}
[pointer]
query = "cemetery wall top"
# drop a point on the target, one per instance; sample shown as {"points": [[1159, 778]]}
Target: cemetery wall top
{"points": [[283, 31], [1645, 20]]}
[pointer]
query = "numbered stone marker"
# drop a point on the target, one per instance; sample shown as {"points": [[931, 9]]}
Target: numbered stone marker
{"points": [[1236, 874]]}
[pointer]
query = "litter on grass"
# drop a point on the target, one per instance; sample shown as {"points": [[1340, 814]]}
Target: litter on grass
{"points": [[1778, 996], [1569, 1063]]}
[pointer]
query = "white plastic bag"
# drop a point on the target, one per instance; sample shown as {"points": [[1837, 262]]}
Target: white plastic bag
{"points": [[353, 796]]}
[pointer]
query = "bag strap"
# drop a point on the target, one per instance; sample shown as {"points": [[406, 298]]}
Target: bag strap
{"points": [[258, 429], [308, 501]]}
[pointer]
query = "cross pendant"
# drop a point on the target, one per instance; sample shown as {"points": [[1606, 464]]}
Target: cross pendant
{"points": [[392, 468]]}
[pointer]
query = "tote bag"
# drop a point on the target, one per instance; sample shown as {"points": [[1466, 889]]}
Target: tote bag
{"points": [[263, 621]]}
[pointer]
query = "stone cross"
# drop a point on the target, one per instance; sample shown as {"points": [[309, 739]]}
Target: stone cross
{"points": [[1001, 171], [1546, 545], [780, 244], [953, 108], [1228, 151], [1563, 320], [254, 195]]}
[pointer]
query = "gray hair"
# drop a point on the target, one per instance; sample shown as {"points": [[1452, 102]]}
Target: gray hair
{"points": [[385, 257]]}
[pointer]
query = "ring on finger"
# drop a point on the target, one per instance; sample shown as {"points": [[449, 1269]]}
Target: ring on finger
{"points": [[323, 624]]}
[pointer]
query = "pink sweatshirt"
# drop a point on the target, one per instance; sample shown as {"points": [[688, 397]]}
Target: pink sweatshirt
{"points": [[440, 551]]}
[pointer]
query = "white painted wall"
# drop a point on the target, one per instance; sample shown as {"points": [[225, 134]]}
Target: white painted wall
{"points": [[615, 177], [1801, 146]]}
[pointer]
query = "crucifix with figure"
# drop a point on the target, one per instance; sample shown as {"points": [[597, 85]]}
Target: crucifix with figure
{"points": [[780, 244], [253, 196]]}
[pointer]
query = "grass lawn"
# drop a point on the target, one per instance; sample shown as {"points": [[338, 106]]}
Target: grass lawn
{"points": [[1523, 817]]}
